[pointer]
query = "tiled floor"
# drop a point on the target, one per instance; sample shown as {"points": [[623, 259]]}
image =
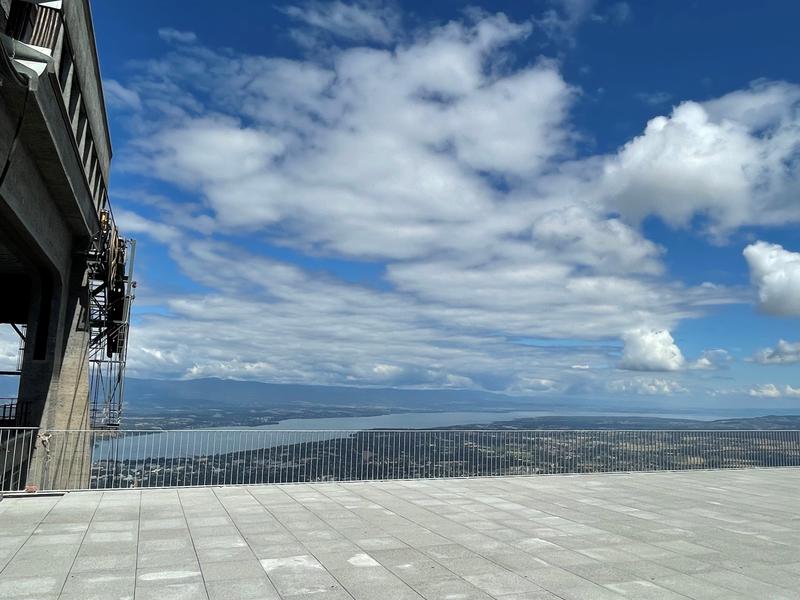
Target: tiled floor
{"points": [[720, 535]]}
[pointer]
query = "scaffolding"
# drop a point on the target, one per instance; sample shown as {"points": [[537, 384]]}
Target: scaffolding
{"points": [[11, 413], [111, 289]]}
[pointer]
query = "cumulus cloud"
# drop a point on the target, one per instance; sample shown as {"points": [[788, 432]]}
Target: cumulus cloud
{"points": [[712, 359], [176, 36], [731, 160], [375, 157], [358, 21], [766, 390], [650, 350], [647, 387], [784, 353], [776, 274], [410, 161]]}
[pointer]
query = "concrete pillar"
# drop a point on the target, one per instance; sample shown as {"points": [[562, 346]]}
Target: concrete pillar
{"points": [[61, 402]]}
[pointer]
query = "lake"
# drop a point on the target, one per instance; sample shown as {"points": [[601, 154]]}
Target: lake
{"points": [[191, 442]]}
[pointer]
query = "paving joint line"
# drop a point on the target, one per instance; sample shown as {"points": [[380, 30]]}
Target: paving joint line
{"points": [[456, 575], [489, 559], [244, 537], [138, 540], [78, 551], [30, 535], [191, 537]]}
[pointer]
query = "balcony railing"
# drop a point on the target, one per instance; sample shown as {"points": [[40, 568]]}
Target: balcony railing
{"points": [[12, 412], [134, 459], [8, 410]]}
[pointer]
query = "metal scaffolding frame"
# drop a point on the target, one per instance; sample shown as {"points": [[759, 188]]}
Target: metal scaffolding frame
{"points": [[10, 410], [111, 289]]}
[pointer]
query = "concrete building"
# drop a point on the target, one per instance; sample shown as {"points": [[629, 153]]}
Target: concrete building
{"points": [[57, 234]]}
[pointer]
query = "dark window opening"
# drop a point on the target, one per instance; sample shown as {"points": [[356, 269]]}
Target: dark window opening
{"points": [[81, 127], [88, 146], [74, 98], [65, 66], [22, 20]]}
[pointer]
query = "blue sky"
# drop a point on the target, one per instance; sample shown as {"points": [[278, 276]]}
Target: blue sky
{"points": [[557, 199]]}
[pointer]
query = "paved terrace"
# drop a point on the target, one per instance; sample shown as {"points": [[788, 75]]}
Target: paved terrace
{"points": [[718, 534]]}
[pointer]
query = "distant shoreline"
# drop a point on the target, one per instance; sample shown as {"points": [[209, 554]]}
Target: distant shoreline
{"points": [[472, 419]]}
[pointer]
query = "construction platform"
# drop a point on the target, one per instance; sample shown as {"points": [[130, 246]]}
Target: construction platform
{"points": [[707, 534]]}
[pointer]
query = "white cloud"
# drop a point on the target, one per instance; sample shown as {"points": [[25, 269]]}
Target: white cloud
{"points": [[214, 150], [357, 21], [526, 385], [703, 364], [784, 353], [317, 329], [654, 98], [651, 350], [562, 21], [9, 348], [232, 369], [711, 360], [766, 390], [776, 274], [119, 96], [372, 158], [175, 36], [730, 160], [647, 387], [791, 392], [435, 163], [135, 225]]}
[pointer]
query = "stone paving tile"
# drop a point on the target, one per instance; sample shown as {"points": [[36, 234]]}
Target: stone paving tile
{"points": [[99, 585], [747, 585], [207, 555], [16, 587], [171, 591], [644, 590], [299, 575], [175, 583], [446, 589], [542, 595], [715, 534], [221, 571], [242, 589], [692, 587], [85, 563], [502, 582]]}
